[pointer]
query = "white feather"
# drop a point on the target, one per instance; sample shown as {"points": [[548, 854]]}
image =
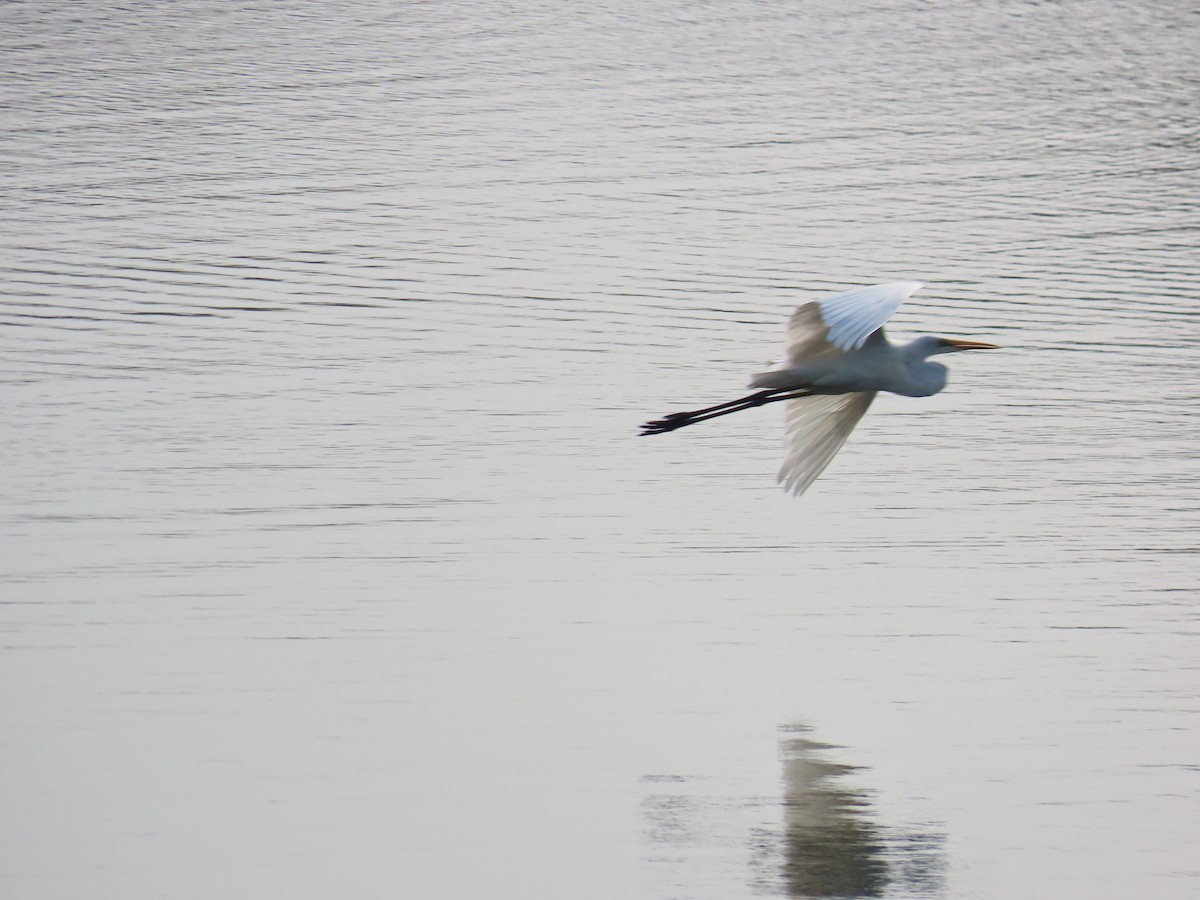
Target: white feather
{"points": [[854, 316], [817, 426]]}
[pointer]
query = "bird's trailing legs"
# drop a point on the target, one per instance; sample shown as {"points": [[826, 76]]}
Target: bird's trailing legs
{"points": [[691, 417]]}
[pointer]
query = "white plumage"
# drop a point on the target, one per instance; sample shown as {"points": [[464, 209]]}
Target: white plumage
{"points": [[838, 358], [854, 316], [817, 426]]}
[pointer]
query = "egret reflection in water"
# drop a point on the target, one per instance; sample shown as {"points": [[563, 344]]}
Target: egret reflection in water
{"points": [[831, 846], [833, 843], [819, 837]]}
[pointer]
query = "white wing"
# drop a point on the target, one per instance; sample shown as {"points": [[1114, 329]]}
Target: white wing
{"points": [[817, 426], [844, 321]]}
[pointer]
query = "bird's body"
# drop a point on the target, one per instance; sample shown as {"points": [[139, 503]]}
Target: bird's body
{"points": [[838, 358], [876, 366]]}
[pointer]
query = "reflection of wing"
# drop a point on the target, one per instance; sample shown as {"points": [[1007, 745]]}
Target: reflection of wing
{"points": [[834, 845], [817, 426], [844, 321]]}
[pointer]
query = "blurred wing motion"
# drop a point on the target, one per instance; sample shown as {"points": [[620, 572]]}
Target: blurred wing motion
{"points": [[817, 426], [844, 321]]}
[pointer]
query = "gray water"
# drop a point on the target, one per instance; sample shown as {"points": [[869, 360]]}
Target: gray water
{"points": [[333, 566]]}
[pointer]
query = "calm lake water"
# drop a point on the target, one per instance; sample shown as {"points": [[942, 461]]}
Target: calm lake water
{"points": [[333, 565]]}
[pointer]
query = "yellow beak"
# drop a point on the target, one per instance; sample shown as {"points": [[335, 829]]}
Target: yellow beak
{"points": [[972, 345]]}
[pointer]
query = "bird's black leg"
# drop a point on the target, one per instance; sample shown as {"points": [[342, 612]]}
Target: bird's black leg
{"points": [[680, 419]]}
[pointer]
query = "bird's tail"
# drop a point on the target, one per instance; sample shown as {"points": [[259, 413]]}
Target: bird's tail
{"points": [[775, 379]]}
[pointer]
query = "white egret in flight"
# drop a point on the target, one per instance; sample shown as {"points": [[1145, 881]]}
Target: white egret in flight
{"points": [[838, 359]]}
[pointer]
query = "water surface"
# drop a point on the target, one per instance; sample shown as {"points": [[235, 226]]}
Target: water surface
{"points": [[333, 565]]}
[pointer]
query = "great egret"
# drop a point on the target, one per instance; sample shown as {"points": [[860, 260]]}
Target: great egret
{"points": [[838, 359]]}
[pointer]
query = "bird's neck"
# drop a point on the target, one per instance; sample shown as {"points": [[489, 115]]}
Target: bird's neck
{"points": [[923, 378], [915, 376]]}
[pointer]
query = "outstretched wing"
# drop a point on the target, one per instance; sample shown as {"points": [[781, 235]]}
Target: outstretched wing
{"points": [[817, 426], [844, 321]]}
